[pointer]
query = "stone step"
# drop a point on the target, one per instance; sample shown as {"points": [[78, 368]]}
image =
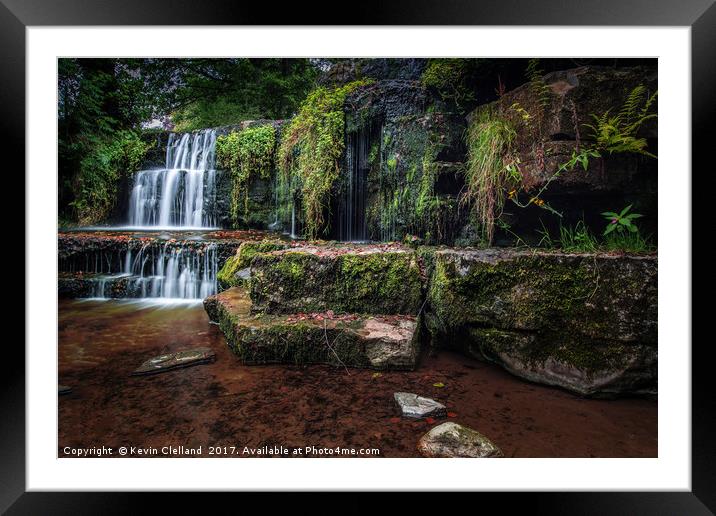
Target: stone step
{"points": [[351, 340], [368, 279], [87, 285]]}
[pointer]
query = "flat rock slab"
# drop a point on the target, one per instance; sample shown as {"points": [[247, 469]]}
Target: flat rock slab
{"points": [[351, 340], [186, 358], [63, 389], [417, 407], [453, 440]]}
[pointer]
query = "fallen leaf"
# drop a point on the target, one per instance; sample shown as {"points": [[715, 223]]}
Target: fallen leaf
{"points": [[377, 375], [395, 420], [429, 420], [452, 414], [439, 384]]}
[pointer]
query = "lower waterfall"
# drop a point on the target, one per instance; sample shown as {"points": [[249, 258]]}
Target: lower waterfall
{"points": [[171, 271]]}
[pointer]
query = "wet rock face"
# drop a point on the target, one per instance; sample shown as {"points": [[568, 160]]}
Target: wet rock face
{"points": [[382, 69], [574, 95], [453, 440], [587, 323], [416, 151], [417, 407], [378, 342], [371, 280]]}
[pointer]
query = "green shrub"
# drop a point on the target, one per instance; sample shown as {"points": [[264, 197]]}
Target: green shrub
{"points": [[106, 162]]}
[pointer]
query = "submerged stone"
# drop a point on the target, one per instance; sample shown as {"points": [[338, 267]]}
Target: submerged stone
{"points": [[176, 360], [63, 389], [351, 340], [349, 279], [453, 440], [584, 322], [417, 407]]}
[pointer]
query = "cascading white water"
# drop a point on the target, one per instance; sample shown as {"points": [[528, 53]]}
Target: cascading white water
{"points": [[169, 272], [183, 194]]}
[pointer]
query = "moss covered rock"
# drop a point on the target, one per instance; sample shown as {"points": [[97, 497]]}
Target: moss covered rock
{"points": [[380, 342], [235, 271], [347, 279], [581, 321]]}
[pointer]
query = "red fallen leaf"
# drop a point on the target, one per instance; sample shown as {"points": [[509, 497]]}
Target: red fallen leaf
{"points": [[429, 420], [395, 420], [452, 414]]}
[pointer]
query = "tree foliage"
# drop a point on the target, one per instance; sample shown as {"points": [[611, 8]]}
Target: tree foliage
{"points": [[102, 101]]}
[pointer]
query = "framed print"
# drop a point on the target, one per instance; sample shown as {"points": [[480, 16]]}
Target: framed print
{"points": [[448, 250]]}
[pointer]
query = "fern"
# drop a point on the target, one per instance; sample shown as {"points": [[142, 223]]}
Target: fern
{"points": [[618, 133], [537, 85]]}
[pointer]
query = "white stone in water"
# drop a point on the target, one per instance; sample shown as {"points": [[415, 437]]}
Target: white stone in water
{"points": [[453, 440], [417, 407]]}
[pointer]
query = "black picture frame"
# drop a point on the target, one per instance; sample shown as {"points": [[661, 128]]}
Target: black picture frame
{"points": [[700, 15]]}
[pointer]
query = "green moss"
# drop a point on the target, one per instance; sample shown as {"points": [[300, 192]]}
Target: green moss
{"points": [[247, 154], [527, 292], [242, 259], [310, 152], [389, 280], [382, 283], [588, 356]]}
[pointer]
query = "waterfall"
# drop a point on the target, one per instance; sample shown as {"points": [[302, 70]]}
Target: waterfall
{"points": [[183, 194], [353, 205], [171, 271]]}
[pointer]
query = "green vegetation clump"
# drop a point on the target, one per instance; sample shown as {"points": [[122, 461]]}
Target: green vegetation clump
{"points": [[450, 78], [311, 149], [491, 167], [100, 171], [247, 154]]}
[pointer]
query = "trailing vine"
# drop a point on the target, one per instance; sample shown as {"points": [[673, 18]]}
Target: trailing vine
{"points": [[247, 154], [310, 152]]}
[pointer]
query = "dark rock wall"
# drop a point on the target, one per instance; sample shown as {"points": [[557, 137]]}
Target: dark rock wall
{"points": [[417, 156]]}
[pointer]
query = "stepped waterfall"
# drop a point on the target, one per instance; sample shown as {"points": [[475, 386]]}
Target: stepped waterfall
{"points": [[172, 271], [178, 197]]}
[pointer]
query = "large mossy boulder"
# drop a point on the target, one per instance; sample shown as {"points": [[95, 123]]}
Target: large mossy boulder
{"points": [[375, 342], [584, 322], [344, 279]]}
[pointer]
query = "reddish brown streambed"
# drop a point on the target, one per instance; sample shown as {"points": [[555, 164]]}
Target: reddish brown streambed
{"points": [[228, 404]]}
